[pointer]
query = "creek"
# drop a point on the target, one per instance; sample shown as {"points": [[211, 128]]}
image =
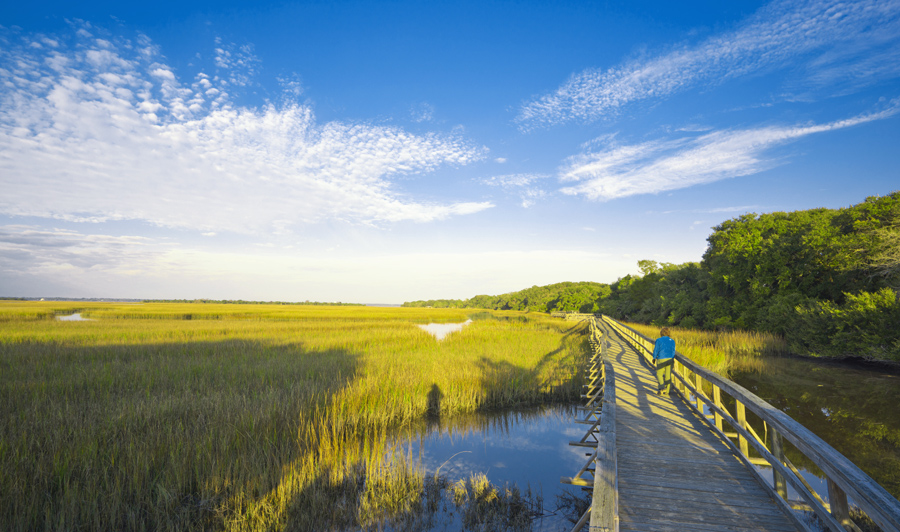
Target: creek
{"points": [[527, 448], [441, 330], [73, 317], [852, 406]]}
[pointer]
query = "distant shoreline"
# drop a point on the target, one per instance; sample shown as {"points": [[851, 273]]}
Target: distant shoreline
{"points": [[142, 300]]}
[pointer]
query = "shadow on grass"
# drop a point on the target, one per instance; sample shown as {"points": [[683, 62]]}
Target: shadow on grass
{"points": [[507, 385], [155, 436]]}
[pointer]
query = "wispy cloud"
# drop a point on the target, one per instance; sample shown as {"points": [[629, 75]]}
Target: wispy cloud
{"points": [[38, 261], [658, 166], [523, 185], [103, 129], [831, 43], [422, 112], [40, 251]]}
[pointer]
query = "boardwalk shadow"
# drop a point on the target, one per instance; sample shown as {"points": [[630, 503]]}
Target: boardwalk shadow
{"points": [[505, 384]]}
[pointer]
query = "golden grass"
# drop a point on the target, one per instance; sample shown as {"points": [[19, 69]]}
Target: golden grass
{"points": [[722, 352], [245, 417]]}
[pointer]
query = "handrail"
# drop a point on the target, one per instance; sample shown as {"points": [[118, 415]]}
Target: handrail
{"points": [[605, 502], [843, 477], [603, 514]]}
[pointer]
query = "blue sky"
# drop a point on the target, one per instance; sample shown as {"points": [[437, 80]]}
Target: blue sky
{"points": [[390, 151]]}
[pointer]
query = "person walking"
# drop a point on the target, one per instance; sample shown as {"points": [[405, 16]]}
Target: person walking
{"points": [[664, 359]]}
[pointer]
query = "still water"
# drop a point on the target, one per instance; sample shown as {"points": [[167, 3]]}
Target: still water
{"points": [[440, 330], [852, 406], [525, 448], [73, 317]]}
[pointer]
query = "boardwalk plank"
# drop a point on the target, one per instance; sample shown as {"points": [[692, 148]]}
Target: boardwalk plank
{"points": [[674, 473]]}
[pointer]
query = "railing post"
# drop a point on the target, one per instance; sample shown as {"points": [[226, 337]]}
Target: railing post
{"points": [[717, 399], [742, 421], [840, 509], [698, 383], [778, 453]]}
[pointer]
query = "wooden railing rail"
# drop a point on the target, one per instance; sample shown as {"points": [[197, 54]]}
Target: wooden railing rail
{"points": [[600, 414], [605, 502], [843, 477]]}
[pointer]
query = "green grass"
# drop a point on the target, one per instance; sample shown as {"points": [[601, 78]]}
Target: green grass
{"points": [[249, 417]]}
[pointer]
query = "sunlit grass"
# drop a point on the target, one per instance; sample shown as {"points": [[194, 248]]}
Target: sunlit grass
{"points": [[245, 417], [722, 352]]}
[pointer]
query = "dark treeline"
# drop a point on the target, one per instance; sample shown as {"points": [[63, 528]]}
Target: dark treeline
{"points": [[569, 297], [825, 279]]}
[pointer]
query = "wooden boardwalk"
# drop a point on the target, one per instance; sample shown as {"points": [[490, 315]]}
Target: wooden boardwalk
{"points": [[687, 462], [673, 471]]}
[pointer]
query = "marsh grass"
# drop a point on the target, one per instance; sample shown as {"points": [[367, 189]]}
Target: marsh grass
{"points": [[248, 417], [723, 352]]}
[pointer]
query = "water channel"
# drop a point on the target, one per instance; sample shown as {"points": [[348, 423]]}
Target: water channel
{"points": [[851, 406], [73, 317], [441, 330], [526, 448]]}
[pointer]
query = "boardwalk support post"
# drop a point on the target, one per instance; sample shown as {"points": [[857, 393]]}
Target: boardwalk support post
{"points": [[742, 421], [717, 399], [840, 509], [778, 453]]}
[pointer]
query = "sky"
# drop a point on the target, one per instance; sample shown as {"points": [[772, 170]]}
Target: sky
{"points": [[381, 152]]}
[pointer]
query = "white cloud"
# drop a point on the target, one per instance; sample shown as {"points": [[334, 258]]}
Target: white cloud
{"points": [[742, 208], [658, 166], [43, 252], [829, 44], [237, 64], [106, 131], [513, 180], [521, 185], [422, 112], [500, 160]]}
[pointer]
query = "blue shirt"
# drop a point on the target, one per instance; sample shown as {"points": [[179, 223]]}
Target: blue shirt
{"points": [[664, 348]]}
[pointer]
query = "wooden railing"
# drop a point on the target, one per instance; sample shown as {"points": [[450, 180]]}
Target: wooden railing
{"points": [[600, 415], [700, 387], [605, 502]]}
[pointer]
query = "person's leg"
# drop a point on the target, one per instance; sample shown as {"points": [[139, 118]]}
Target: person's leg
{"points": [[664, 374], [660, 375]]}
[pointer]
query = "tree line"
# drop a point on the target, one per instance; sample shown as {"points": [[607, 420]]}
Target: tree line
{"points": [[826, 279], [242, 302]]}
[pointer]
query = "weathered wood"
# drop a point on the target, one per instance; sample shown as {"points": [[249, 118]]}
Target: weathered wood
{"points": [[668, 453], [583, 521], [874, 500], [840, 509], [699, 385], [778, 453], [604, 506], [742, 423], [801, 486], [717, 400]]}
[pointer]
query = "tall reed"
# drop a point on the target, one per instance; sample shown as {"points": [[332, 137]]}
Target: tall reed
{"points": [[250, 417]]}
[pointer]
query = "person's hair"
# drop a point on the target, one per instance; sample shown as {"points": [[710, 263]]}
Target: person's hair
{"points": [[664, 331]]}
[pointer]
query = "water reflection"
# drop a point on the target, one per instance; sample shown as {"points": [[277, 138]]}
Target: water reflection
{"points": [[73, 317], [440, 330], [525, 448], [852, 406]]}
